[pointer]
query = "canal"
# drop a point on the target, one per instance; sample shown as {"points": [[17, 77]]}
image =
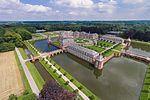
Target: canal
{"points": [[43, 72], [120, 79]]}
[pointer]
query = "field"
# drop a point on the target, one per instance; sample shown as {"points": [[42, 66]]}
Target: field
{"points": [[10, 78]]}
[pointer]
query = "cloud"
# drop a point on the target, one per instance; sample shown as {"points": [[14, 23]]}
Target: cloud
{"points": [[133, 1], [74, 3], [107, 6], [18, 5]]}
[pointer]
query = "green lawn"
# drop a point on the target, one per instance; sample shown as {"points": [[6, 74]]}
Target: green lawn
{"points": [[141, 42], [80, 40], [145, 94], [51, 33], [56, 42], [31, 49], [118, 47], [23, 76], [54, 37], [36, 75], [95, 48], [36, 35], [23, 54], [104, 44], [109, 53]]}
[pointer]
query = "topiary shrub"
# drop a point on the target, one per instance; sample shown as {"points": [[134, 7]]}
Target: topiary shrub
{"points": [[50, 66], [76, 91], [80, 88], [13, 97], [54, 71], [67, 82], [65, 74], [91, 97], [59, 76], [72, 80], [59, 68]]}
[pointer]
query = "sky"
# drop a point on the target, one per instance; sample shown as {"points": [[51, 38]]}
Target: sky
{"points": [[60, 10]]}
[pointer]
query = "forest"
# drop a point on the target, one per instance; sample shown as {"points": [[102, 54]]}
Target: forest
{"points": [[13, 34]]}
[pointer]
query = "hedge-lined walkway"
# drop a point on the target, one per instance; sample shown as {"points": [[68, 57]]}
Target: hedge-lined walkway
{"points": [[64, 77]]}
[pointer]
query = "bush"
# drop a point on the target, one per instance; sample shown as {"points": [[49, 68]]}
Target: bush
{"points": [[45, 62], [92, 97], [12, 97], [80, 88], [67, 82], [25, 92], [54, 71], [50, 66], [72, 80], [59, 68], [31, 96], [59, 76], [76, 91], [65, 74]]}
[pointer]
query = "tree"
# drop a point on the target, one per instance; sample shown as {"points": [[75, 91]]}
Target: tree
{"points": [[53, 91], [6, 47], [24, 33], [12, 97]]}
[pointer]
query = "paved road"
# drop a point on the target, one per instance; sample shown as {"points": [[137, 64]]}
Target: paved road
{"points": [[28, 75]]}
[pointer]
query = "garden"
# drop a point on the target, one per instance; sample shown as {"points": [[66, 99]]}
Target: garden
{"points": [[95, 48], [80, 40]]}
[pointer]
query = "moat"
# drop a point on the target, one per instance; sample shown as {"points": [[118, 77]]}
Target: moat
{"points": [[120, 79]]}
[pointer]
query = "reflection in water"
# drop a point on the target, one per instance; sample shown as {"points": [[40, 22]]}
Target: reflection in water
{"points": [[139, 48], [96, 72], [44, 46], [120, 79], [43, 72]]}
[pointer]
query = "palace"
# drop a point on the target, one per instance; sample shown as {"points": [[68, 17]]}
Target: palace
{"points": [[67, 37], [112, 38], [88, 55]]}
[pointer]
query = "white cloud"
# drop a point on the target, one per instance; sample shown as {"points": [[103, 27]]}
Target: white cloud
{"points": [[133, 1], [73, 13], [74, 3], [35, 8], [107, 6], [19, 6]]}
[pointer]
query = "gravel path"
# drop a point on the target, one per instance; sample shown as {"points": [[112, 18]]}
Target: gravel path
{"points": [[28, 75]]}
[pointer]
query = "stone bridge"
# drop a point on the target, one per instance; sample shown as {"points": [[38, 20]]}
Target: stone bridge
{"points": [[49, 54], [136, 56]]}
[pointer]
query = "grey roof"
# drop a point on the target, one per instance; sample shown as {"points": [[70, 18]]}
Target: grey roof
{"points": [[111, 37], [90, 52]]}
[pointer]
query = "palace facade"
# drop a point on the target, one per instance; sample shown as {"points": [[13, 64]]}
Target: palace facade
{"points": [[86, 54]]}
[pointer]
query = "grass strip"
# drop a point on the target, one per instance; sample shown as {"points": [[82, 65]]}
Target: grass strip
{"points": [[36, 75], [23, 54], [24, 78]]}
